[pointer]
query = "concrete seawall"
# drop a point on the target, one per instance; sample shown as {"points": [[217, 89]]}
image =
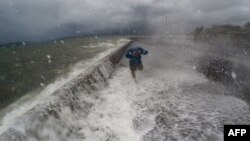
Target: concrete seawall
{"points": [[70, 101]]}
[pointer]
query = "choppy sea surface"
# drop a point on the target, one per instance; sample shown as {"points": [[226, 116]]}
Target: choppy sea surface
{"points": [[27, 68]]}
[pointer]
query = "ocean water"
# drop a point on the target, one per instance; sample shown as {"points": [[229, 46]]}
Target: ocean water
{"points": [[29, 67], [172, 100]]}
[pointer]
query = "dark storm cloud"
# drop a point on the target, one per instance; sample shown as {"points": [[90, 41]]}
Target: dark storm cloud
{"points": [[45, 19]]}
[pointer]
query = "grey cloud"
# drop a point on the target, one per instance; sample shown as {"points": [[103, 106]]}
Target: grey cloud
{"points": [[216, 5], [45, 19]]}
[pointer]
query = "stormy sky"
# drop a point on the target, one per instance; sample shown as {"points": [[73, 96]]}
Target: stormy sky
{"points": [[24, 20]]}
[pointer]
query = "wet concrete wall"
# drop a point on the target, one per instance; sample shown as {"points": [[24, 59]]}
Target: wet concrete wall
{"points": [[67, 102]]}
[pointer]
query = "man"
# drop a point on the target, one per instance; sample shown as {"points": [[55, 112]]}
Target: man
{"points": [[134, 56]]}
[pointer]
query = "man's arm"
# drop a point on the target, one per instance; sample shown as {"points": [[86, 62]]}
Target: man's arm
{"points": [[143, 51], [129, 54]]}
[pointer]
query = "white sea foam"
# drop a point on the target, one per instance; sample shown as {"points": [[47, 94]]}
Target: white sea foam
{"points": [[113, 115]]}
